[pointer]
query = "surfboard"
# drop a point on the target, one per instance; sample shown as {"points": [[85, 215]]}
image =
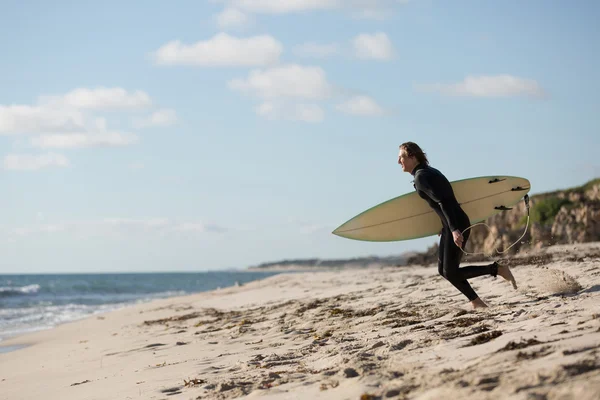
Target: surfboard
{"points": [[410, 217]]}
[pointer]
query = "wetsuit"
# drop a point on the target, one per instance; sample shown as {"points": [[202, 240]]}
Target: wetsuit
{"points": [[432, 186]]}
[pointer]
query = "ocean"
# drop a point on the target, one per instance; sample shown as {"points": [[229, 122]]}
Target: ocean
{"points": [[31, 303]]}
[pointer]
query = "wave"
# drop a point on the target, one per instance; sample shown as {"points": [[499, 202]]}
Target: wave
{"points": [[19, 290]]}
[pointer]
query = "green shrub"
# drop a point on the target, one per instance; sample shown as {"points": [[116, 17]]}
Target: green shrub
{"points": [[545, 210]]}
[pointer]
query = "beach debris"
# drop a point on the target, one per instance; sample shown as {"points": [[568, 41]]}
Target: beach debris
{"points": [[488, 383], [181, 343], [350, 373], [580, 367], [330, 384], [580, 350], [401, 345], [520, 345], [543, 351], [395, 374], [536, 396], [256, 360], [368, 396], [193, 382], [173, 319], [81, 383], [326, 334], [309, 306], [226, 386], [484, 338], [461, 312], [320, 342], [463, 322], [378, 344], [401, 391]]}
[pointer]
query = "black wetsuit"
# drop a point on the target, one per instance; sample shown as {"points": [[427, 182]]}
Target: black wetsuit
{"points": [[433, 187]]}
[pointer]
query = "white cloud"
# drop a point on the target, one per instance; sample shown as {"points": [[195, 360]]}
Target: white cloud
{"points": [[285, 81], [365, 8], [100, 98], [378, 9], [32, 162], [316, 50], [488, 86], [128, 226], [267, 110], [163, 117], [377, 46], [17, 119], [308, 113], [312, 113], [136, 165], [222, 50], [232, 18], [362, 106], [45, 228], [69, 112], [80, 140], [284, 6]]}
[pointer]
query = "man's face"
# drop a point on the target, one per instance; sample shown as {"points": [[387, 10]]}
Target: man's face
{"points": [[407, 163]]}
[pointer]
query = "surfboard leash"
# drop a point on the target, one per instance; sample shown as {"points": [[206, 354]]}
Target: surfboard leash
{"points": [[526, 199]]}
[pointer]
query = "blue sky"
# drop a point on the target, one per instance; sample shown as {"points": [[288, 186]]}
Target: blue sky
{"points": [[178, 136]]}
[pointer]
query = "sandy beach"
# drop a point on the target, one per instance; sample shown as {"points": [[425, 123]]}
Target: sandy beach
{"points": [[377, 333]]}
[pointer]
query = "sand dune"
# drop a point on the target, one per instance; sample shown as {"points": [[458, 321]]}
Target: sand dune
{"points": [[352, 334]]}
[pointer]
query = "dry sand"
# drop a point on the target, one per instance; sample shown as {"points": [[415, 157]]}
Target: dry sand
{"points": [[350, 334]]}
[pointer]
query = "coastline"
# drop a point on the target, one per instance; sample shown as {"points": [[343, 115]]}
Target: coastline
{"points": [[384, 332]]}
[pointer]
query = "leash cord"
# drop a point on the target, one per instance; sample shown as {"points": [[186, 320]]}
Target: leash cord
{"points": [[526, 198]]}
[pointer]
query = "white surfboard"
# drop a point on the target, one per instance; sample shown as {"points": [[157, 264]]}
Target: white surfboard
{"points": [[410, 217]]}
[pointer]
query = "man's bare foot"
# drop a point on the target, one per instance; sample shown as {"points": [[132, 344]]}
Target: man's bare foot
{"points": [[504, 272], [478, 303]]}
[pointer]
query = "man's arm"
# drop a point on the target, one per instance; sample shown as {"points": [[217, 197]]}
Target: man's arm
{"points": [[427, 183]]}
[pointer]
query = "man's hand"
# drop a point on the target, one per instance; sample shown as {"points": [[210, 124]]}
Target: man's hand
{"points": [[458, 238]]}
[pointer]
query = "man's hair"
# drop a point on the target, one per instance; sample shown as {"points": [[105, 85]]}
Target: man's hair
{"points": [[413, 149]]}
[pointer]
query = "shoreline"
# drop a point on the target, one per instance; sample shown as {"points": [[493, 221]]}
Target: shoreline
{"points": [[9, 348], [61, 312], [384, 332]]}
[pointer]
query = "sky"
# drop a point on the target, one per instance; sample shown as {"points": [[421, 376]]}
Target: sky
{"points": [[147, 136]]}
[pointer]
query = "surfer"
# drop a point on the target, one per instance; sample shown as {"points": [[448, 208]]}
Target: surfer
{"points": [[432, 186]]}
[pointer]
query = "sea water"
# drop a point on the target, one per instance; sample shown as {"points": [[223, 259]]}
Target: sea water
{"points": [[35, 302]]}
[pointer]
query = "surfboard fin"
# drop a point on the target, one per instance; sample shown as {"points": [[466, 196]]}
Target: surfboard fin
{"points": [[502, 208], [518, 188], [495, 180]]}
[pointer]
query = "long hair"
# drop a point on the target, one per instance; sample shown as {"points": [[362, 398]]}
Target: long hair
{"points": [[413, 149]]}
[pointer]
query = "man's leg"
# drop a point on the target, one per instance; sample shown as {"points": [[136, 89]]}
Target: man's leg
{"points": [[451, 260]]}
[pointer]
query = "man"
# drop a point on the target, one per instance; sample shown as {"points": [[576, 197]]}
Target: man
{"points": [[432, 186]]}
